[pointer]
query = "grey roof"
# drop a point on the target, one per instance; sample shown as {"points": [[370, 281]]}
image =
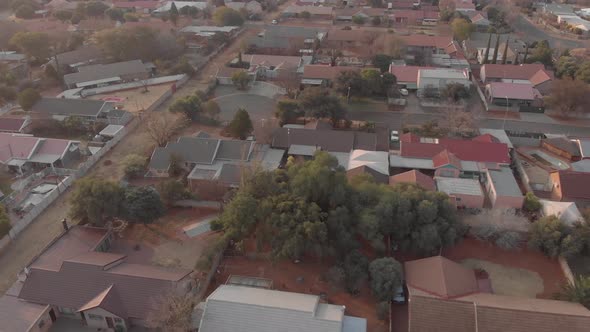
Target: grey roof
{"points": [[564, 144], [459, 186], [230, 174], [12, 56], [581, 166], [280, 36], [199, 150], [264, 310], [504, 182], [69, 107], [100, 71], [80, 55], [327, 140]]}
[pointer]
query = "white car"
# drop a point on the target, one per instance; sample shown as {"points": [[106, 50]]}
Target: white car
{"points": [[394, 136], [275, 22], [403, 92]]}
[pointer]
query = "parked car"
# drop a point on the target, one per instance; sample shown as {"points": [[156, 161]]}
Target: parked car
{"points": [[404, 92], [275, 22], [394, 136]]}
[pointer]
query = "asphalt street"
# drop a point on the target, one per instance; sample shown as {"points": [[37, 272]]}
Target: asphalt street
{"points": [[396, 120], [530, 33]]}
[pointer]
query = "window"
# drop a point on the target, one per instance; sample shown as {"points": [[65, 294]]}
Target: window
{"points": [[95, 317], [118, 320]]}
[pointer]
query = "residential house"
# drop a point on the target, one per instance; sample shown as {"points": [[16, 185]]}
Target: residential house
{"points": [[324, 75], [407, 76], [366, 14], [518, 96], [21, 153], [502, 188], [138, 6], [480, 20], [535, 74], [86, 110], [571, 186], [100, 74], [447, 157], [15, 63], [447, 297], [464, 193], [343, 39], [286, 40], [78, 277], [214, 165], [373, 163], [266, 310], [15, 125], [426, 44], [406, 17], [272, 66], [82, 56], [165, 8], [314, 11], [562, 147], [416, 177], [432, 81]]}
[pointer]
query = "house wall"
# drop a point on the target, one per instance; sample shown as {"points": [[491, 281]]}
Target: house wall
{"points": [[509, 202], [70, 158], [556, 190], [44, 322], [469, 201], [96, 317], [424, 315]]}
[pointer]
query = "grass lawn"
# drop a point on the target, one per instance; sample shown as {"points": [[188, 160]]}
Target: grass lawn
{"points": [[509, 280]]}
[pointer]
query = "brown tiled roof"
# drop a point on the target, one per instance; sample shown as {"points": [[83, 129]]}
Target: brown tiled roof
{"points": [[574, 185], [108, 300], [414, 176], [406, 73], [440, 277], [446, 158], [328, 140], [534, 72]]}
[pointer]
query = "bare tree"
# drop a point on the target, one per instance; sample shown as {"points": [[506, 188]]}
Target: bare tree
{"points": [[264, 129], [290, 81], [162, 126], [172, 312], [569, 97]]}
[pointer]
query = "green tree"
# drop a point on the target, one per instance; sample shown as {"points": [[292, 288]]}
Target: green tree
{"points": [[288, 111], [240, 215], [143, 205], [95, 8], [224, 16], [182, 67], [319, 104], [143, 43], [51, 73], [63, 15], [583, 72], [542, 53], [131, 17], [5, 225], [134, 165], [190, 106], [382, 61], [34, 44], [386, 276], [172, 190], [25, 11], [358, 20], [212, 109], [115, 14], [28, 98], [373, 81], [241, 79], [95, 201], [173, 13], [355, 266], [241, 125], [567, 66], [531, 202], [578, 291], [350, 83], [553, 238], [376, 21], [305, 15], [462, 28]]}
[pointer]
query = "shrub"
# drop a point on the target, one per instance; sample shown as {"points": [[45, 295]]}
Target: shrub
{"points": [[485, 232], [531, 202], [509, 240], [134, 165]]}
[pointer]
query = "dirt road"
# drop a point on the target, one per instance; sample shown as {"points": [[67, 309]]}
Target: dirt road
{"points": [[47, 226]]}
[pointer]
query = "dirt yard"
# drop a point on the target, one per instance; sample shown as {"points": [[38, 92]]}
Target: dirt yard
{"points": [[284, 276], [547, 269], [135, 100], [509, 280], [48, 226], [163, 243]]}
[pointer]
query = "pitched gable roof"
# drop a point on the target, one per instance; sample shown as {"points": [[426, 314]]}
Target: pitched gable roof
{"points": [[406, 73], [574, 185], [446, 158], [440, 277], [467, 150], [71, 107], [327, 140], [12, 124], [535, 73], [416, 177]]}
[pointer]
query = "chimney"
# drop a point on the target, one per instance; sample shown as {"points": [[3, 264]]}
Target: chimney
{"points": [[64, 223]]}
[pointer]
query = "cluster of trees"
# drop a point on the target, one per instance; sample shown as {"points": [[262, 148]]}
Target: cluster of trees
{"points": [[312, 102], [569, 97], [311, 209], [574, 68], [554, 238], [368, 82], [224, 16], [194, 108], [23, 8], [96, 201], [462, 28]]}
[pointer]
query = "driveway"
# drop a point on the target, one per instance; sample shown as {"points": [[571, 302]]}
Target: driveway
{"points": [[530, 32], [258, 102]]}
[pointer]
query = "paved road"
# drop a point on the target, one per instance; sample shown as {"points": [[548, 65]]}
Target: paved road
{"points": [[396, 120], [530, 33]]}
